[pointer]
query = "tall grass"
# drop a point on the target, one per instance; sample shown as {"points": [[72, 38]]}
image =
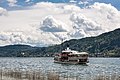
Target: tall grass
{"points": [[107, 77], [17, 74]]}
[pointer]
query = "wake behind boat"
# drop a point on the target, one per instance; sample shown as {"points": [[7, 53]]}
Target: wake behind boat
{"points": [[69, 56]]}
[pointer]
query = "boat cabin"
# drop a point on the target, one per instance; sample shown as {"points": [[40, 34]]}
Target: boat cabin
{"points": [[69, 55]]}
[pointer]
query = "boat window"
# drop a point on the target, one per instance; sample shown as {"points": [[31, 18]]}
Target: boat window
{"points": [[73, 55], [79, 55], [84, 55]]}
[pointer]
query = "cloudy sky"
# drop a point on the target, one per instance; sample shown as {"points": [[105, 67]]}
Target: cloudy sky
{"points": [[48, 22]]}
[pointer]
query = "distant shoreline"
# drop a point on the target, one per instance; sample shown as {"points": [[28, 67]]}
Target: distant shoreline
{"points": [[53, 57]]}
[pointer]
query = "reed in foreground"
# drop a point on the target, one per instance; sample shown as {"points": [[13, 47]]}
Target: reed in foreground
{"points": [[107, 77], [15, 74]]}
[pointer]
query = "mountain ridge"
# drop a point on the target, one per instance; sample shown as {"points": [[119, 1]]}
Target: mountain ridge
{"points": [[104, 45]]}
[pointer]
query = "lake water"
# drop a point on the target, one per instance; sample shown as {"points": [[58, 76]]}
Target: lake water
{"points": [[96, 66]]}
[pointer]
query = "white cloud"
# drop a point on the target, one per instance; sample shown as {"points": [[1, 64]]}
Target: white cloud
{"points": [[77, 33], [83, 3], [3, 12], [72, 1], [32, 38], [107, 9], [49, 23], [104, 14], [45, 4], [80, 21], [83, 26], [12, 2], [71, 8], [27, 1]]}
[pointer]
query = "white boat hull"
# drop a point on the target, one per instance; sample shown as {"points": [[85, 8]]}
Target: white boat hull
{"points": [[68, 62]]}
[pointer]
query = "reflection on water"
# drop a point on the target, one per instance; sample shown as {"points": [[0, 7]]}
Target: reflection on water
{"points": [[96, 66]]}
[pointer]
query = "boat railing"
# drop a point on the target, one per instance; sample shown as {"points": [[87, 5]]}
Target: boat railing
{"points": [[73, 58]]}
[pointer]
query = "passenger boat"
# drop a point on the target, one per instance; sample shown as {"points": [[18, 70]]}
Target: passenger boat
{"points": [[69, 56]]}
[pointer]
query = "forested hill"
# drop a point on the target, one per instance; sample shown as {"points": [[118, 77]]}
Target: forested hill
{"points": [[106, 44]]}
